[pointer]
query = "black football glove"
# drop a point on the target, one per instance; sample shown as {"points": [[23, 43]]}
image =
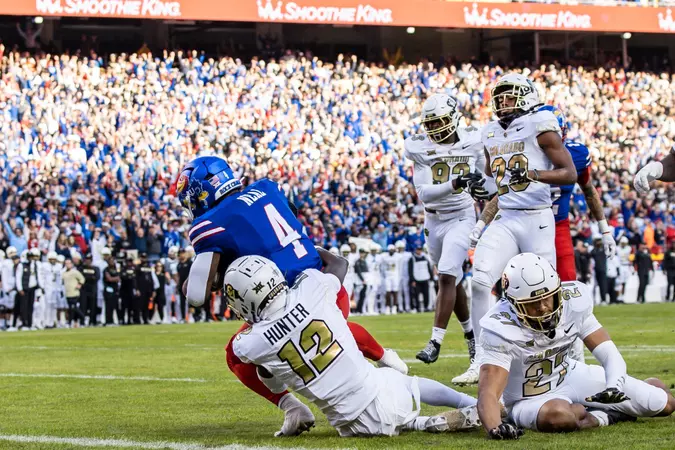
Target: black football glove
{"points": [[506, 431], [478, 192], [519, 176], [464, 180], [608, 396]]}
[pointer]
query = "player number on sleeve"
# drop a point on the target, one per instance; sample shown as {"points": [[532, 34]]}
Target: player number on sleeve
{"points": [[499, 167], [316, 334], [540, 370], [284, 232]]}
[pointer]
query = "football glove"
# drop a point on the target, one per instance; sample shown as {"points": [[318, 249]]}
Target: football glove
{"points": [[519, 175], [505, 431], [463, 181], [650, 172], [609, 244], [608, 396]]}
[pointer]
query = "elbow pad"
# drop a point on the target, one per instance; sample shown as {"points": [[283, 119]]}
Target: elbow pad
{"points": [[272, 383], [612, 361]]}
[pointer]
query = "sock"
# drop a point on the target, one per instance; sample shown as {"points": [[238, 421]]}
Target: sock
{"points": [[436, 394], [467, 327], [603, 420], [343, 302], [370, 348], [419, 424], [481, 302], [3, 322], [469, 335], [247, 374], [437, 334]]}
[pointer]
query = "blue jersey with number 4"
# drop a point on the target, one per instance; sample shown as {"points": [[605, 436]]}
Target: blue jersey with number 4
{"points": [[561, 194], [256, 221]]}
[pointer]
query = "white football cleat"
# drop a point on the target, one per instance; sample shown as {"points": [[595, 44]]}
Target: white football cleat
{"points": [[393, 361], [298, 417], [456, 420], [468, 377]]}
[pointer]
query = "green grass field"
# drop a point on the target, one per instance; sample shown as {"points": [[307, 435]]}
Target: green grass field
{"points": [[170, 384]]}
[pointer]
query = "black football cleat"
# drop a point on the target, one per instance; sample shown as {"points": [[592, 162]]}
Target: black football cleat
{"points": [[429, 354]]}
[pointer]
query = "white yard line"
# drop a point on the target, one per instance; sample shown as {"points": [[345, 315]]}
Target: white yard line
{"points": [[125, 443], [102, 377]]}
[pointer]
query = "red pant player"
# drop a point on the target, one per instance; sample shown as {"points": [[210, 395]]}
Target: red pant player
{"points": [[564, 251]]}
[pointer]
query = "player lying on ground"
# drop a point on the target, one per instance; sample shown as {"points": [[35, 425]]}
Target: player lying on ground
{"points": [[663, 170], [299, 340], [526, 341], [231, 221]]}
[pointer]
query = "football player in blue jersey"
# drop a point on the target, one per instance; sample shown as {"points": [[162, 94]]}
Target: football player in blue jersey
{"points": [[561, 204], [230, 221]]}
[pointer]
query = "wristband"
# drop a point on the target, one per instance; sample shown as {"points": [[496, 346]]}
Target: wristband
{"points": [[536, 174], [604, 227]]}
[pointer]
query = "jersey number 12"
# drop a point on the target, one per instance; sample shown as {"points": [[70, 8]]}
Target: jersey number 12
{"points": [[285, 233]]}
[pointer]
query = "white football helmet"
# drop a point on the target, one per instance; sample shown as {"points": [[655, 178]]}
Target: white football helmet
{"points": [[529, 279], [11, 252], [391, 248], [52, 256], [375, 248], [251, 285], [334, 251], [440, 117], [345, 249], [400, 245], [517, 87], [61, 259]]}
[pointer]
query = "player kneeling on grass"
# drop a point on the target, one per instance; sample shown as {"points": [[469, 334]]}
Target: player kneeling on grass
{"points": [[527, 337], [299, 340]]}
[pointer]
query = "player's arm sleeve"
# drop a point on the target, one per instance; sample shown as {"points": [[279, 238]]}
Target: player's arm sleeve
{"points": [[428, 192], [615, 367], [202, 274], [496, 350]]}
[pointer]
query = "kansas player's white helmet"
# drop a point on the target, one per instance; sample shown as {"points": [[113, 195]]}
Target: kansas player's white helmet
{"points": [[513, 95], [251, 285], [528, 282], [440, 117]]}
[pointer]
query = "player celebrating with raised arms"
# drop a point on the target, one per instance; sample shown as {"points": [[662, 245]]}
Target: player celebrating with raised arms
{"points": [[299, 340], [229, 222], [526, 339]]}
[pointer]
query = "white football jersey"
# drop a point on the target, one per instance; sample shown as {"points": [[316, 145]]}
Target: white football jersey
{"points": [[517, 147], [390, 265], [404, 259], [537, 364], [310, 348], [624, 255], [436, 164]]}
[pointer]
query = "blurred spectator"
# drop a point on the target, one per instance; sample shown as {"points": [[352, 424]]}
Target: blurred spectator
{"points": [[644, 268]]}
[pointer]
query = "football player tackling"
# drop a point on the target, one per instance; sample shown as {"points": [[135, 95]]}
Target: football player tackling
{"points": [[231, 221], [299, 340], [526, 339], [445, 161]]}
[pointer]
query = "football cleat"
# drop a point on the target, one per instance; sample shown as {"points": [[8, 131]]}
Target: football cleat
{"points": [[455, 420], [296, 421], [614, 417], [468, 377], [429, 354], [393, 361]]}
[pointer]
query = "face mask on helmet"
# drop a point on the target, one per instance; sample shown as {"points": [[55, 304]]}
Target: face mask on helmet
{"points": [[510, 100], [439, 128], [541, 312]]}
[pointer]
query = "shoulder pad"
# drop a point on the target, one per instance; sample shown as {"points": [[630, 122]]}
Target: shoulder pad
{"points": [[416, 146], [544, 121], [578, 296], [469, 135], [580, 154], [490, 130], [243, 345], [502, 321]]}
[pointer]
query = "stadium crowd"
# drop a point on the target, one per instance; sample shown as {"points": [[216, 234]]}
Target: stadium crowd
{"points": [[89, 147]]}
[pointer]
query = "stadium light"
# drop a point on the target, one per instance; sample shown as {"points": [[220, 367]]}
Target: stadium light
{"points": [[410, 30], [38, 20], [626, 35]]}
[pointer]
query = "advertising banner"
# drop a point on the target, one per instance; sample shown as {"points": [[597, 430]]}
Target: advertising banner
{"points": [[422, 13]]}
